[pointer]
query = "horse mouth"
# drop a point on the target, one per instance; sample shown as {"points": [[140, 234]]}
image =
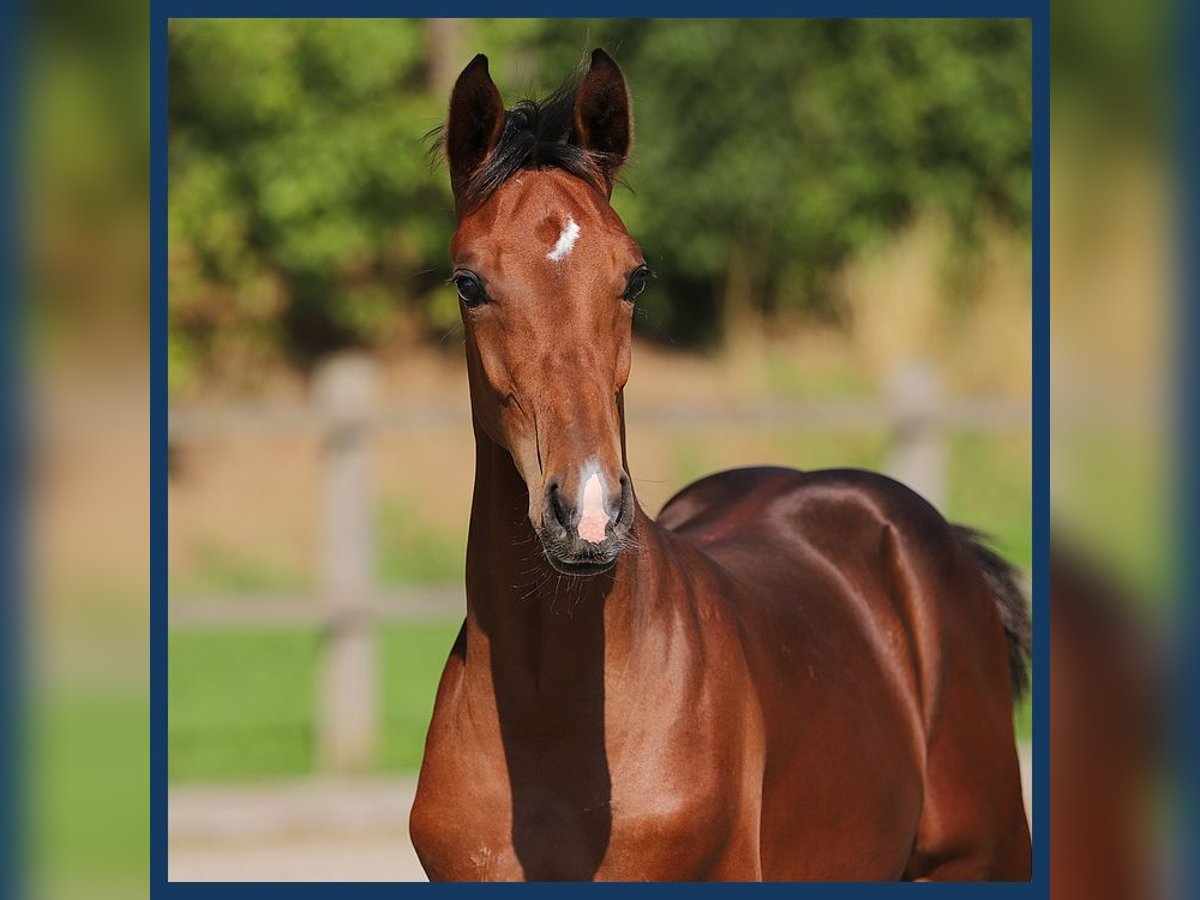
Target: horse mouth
{"points": [[575, 557], [580, 568]]}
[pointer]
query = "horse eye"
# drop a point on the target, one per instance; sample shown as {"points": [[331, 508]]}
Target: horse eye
{"points": [[470, 291], [637, 283]]}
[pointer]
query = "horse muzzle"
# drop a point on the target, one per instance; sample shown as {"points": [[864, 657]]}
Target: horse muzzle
{"points": [[584, 532]]}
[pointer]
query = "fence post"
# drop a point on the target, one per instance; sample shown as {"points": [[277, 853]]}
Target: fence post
{"points": [[917, 453], [444, 40], [347, 704]]}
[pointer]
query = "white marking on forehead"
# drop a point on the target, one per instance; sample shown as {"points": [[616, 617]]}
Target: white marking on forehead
{"points": [[566, 241], [593, 518]]}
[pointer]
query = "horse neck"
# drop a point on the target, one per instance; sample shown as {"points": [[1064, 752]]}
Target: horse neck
{"points": [[538, 623]]}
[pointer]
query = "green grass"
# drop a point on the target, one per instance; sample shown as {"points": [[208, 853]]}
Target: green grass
{"points": [[227, 570], [1114, 501], [791, 375], [413, 657], [408, 551], [1023, 715], [990, 487], [242, 703], [86, 827], [411, 551]]}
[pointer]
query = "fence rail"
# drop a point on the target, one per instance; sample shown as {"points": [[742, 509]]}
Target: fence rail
{"points": [[270, 610], [913, 411]]}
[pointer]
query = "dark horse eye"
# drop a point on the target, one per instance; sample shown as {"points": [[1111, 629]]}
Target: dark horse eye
{"points": [[470, 290], [637, 283]]}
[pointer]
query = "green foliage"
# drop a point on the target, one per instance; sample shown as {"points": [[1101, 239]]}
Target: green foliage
{"points": [[302, 204], [305, 212]]}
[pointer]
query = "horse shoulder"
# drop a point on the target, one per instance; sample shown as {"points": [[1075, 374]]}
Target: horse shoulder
{"points": [[686, 744], [460, 817]]}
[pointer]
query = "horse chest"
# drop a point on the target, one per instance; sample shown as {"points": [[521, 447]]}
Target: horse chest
{"points": [[547, 811]]}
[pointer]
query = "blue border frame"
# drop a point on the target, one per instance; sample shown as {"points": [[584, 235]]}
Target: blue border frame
{"points": [[159, 441], [1185, 105], [13, 541], [164, 10]]}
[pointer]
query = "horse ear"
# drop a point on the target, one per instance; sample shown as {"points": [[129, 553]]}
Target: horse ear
{"points": [[603, 117], [475, 122]]}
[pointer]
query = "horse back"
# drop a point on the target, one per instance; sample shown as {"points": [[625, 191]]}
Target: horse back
{"points": [[805, 546]]}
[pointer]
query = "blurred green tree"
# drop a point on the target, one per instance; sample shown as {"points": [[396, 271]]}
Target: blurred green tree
{"points": [[305, 213]]}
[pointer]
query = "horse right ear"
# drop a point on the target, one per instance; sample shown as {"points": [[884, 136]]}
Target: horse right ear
{"points": [[475, 123], [603, 117]]}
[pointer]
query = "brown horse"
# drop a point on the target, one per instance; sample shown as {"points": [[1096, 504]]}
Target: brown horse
{"points": [[789, 675]]}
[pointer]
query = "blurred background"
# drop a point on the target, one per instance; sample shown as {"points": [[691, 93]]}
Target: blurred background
{"points": [[1117, 824], [851, 287]]}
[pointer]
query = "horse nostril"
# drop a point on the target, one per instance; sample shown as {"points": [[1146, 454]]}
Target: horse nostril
{"points": [[624, 511], [559, 514]]}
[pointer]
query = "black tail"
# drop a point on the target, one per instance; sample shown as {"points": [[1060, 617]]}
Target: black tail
{"points": [[1004, 582]]}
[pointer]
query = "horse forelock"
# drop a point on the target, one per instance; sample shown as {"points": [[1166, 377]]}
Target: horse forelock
{"points": [[536, 135]]}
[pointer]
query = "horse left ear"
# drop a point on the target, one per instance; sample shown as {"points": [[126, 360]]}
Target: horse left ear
{"points": [[475, 123], [603, 117]]}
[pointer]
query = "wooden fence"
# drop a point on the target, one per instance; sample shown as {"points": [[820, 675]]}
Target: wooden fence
{"points": [[913, 409]]}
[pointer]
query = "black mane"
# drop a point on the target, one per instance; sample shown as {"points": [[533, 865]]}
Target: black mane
{"points": [[536, 135]]}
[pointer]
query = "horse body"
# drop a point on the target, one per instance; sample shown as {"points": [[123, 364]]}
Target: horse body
{"points": [[730, 703], [788, 676]]}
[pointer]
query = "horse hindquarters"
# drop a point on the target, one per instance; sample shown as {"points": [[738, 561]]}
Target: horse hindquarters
{"points": [[883, 668], [957, 602], [973, 824]]}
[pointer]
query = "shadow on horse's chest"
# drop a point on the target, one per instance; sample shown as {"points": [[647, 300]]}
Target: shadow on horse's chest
{"points": [[650, 821]]}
